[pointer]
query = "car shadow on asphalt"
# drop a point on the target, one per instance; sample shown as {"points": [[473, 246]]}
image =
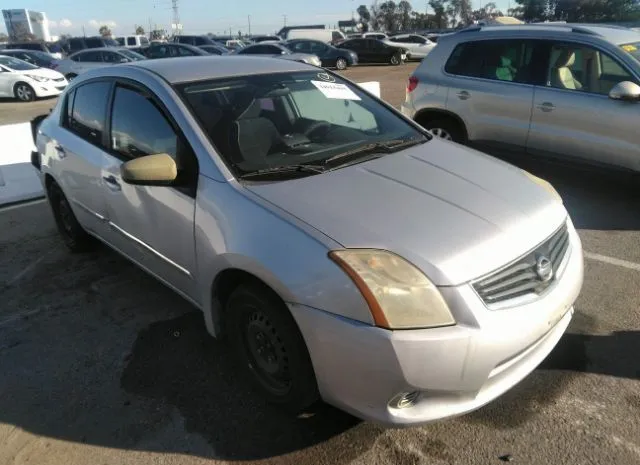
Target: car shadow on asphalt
{"points": [[176, 361]]}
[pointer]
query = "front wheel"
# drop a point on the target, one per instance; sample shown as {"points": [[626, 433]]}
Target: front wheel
{"points": [[24, 92], [71, 76], [268, 344], [341, 64], [396, 59]]}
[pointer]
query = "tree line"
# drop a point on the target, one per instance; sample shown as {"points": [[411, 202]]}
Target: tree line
{"points": [[391, 16]]}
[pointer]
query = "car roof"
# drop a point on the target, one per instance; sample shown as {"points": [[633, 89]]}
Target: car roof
{"points": [[186, 69], [614, 34]]}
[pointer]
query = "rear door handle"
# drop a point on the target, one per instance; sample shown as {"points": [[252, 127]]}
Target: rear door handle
{"points": [[61, 152], [112, 182], [463, 95], [546, 107]]}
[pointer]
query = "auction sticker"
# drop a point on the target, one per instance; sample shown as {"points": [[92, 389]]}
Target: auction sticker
{"points": [[335, 91]]}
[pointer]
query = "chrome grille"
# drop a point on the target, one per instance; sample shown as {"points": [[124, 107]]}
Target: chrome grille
{"points": [[522, 277]]}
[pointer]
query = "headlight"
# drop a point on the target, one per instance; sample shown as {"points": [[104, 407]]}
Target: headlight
{"points": [[37, 78], [546, 184], [398, 294]]}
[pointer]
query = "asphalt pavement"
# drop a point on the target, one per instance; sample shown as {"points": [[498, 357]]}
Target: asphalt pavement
{"points": [[101, 364]]}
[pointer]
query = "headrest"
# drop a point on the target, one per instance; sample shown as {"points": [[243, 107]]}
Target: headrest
{"points": [[253, 111], [566, 58]]}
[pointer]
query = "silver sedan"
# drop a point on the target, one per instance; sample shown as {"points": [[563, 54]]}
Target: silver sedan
{"points": [[279, 50], [345, 252]]}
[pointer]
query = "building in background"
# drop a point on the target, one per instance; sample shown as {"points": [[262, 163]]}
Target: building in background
{"points": [[22, 24]]}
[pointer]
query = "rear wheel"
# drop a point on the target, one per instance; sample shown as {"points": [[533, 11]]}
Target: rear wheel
{"points": [[24, 92], [341, 64], [396, 59], [445, 128], [73, 235], [269, 345]]}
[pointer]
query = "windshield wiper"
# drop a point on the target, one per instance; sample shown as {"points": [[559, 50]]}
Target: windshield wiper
{"points": [[387, 146], [315, 169]]}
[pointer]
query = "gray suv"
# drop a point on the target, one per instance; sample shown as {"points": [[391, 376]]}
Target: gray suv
{"points": [[566, 91]]}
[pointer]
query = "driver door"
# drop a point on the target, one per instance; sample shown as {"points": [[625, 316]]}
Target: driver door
{"points": [[573, 116]]}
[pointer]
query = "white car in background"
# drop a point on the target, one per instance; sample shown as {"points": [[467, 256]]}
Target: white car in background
{"points": [[84, 60], [416, 45], [26, 82]]}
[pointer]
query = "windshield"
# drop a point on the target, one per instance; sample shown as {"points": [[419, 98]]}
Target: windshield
{"points": [[632, 49], [15, 64], [276, 120], [132, 55], [42, 57]]}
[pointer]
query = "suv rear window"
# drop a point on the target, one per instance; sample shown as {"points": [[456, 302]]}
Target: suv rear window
{"points": [[500, 60]]}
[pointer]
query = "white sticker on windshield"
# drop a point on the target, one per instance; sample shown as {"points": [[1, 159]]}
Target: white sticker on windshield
{"points": [[335, 90]]}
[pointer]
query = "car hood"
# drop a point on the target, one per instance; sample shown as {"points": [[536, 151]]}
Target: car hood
{"points": [[44, 72], [455, 213]]}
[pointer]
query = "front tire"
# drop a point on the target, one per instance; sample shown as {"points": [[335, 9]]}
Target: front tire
{"points": [[341, 64], [71, 76], [24, 92], [268, 344], [396, 59], [73, 235]]}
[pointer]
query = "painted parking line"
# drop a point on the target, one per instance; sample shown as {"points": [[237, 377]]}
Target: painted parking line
{"points": [[612, 261], [27, 203]]}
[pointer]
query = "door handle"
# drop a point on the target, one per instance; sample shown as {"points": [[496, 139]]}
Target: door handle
{"points": [[61, 152], [112, 182], [546, 107], [463, 95]]}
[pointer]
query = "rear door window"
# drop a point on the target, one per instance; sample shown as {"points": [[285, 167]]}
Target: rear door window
{"points": [[94, 43], [87, 117], [131, 41], [498, 60]]}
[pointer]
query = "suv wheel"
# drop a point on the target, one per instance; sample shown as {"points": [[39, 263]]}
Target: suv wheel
{"points": [[269, 346], [445, 128]]}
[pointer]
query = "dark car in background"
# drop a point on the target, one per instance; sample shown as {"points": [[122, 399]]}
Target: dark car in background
{"points": [[215, 49], [170, 50], [196, 40], [51, 48], [375, 51], [75, 44], [35, 57], [330, 56]]}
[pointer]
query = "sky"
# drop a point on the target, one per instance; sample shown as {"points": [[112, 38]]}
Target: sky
{"points": [[196, 16]]}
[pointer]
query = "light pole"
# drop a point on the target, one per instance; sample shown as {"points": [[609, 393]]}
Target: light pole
{"points": [[249, 24], [285, 20]]}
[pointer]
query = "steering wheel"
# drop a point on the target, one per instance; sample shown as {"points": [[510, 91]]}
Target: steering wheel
{"points": [[315, 126]]}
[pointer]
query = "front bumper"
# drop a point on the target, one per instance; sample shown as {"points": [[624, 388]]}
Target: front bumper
{"points": [[455, 369], [49, 89]]}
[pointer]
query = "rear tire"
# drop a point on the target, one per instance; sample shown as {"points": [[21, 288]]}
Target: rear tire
{"points": [[269, 346], [24, 92], [341, 64], [73, 235], [445, 128], [396, 59]]}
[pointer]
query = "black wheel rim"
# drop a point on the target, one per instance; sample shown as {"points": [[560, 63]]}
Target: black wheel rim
{"points": [[267, 353], [342, 64]]}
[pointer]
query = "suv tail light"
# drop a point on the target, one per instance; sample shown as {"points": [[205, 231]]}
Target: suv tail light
{"points": [[413, 83]]}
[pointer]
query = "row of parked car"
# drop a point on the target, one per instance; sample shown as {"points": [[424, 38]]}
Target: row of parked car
{"points": [[26, 72]]}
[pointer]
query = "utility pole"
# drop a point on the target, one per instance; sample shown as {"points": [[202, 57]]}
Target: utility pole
{"points": [[285, 20], [150, 28], [84, 34], [249, 24], [176, 15]]}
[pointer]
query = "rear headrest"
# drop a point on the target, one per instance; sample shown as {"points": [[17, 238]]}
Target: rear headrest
{"points": [[566, 58]]}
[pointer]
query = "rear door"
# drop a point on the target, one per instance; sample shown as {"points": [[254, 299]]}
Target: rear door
{"points": [[88, 60], [80, 145], [154, 225], [491, 90], [573, 116]]}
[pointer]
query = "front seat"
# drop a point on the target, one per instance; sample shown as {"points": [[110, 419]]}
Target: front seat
{"points": [[254, 136], [561, 76]]}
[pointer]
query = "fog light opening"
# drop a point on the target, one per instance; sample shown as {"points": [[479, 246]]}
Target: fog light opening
{"points": [[405, 400]]}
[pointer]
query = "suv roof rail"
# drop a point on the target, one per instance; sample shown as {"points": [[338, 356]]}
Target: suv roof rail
{"points": [[583, 30], [470, 29]]}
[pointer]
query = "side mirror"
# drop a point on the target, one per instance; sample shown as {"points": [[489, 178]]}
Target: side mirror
{"points": [[625, 91], [150, 170]]}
